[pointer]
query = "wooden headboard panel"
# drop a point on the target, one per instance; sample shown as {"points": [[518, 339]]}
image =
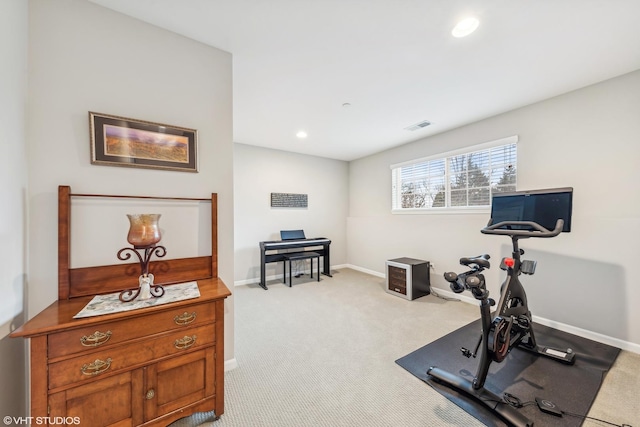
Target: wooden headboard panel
{"points": [[86, 281]]}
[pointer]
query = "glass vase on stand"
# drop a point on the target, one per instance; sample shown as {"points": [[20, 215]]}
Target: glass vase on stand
{"points": [[144, 235]]}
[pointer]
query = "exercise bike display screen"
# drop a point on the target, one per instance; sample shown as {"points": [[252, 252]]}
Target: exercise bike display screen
{"points": [[544, 207]]}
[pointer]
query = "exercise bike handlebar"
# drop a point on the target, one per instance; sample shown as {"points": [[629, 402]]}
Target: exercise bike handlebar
{"points": [[536, 230]]}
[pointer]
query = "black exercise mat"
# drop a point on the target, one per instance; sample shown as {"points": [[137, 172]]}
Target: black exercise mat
{"points": [[523, 374]]}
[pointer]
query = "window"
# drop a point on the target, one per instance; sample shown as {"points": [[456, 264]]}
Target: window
{"points": [[456, 180]]}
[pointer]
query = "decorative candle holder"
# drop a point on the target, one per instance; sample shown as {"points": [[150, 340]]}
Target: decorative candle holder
{"points": [[144, 234]]}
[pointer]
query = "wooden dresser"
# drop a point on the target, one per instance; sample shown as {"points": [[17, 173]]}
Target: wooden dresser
{"points": [[148, 366]]}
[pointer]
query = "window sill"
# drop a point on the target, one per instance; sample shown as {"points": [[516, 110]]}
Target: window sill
{"points": [[484, 210]]}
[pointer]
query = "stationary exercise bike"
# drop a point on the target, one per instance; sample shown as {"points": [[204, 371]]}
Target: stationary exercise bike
{"points": [[511, 324]]}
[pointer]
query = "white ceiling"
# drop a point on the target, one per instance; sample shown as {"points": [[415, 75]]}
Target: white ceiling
{"points": [[296, 62]]}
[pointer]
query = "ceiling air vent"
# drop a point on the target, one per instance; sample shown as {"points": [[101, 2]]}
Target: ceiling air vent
{"points": [[417, 126]]}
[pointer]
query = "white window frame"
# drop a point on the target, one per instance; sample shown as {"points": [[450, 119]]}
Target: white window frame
{"points": [[444, 156]]}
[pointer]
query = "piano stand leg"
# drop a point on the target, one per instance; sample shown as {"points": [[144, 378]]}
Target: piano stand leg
{"points": [[284, 271]]}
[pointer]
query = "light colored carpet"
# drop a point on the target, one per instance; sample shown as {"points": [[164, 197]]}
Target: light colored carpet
{"points": [[323, 354]]}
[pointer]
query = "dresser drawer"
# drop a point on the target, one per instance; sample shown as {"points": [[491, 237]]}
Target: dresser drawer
{"points": [[110, 333], [116, 358]]}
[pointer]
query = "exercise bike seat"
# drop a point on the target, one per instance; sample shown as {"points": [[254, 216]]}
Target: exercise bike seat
{"points": [[480, 260]]}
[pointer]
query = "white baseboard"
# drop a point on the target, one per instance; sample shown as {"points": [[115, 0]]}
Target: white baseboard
{"points": [[595, 336], [365, 270], [452, 295], [230, 364], [256, 280], [249, 281]]}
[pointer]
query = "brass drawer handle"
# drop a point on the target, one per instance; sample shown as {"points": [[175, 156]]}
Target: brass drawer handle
{"points": [[185, 318], [185, 342], [95, 368], [95, 339], [150, 394]]}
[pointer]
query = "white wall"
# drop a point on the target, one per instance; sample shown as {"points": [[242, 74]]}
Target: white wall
{"points": [[83, 57], [260, 172], [13, 210], [587, 139]]}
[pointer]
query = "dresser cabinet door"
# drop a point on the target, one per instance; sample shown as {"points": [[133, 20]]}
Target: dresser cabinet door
{"points": [[180, 381], [113, 401]]}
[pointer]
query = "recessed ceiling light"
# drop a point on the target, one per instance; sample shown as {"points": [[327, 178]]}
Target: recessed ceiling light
{"points": [[301, 134], [465, 27]]}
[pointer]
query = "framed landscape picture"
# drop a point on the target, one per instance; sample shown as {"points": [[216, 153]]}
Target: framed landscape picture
{"points": [[119, 141]]}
